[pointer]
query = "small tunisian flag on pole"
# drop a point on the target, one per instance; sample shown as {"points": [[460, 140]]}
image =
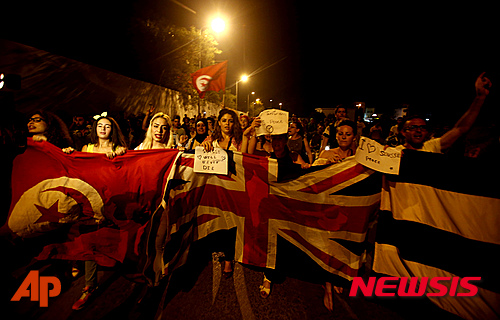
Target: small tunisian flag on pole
{"points": [[211, 78]]}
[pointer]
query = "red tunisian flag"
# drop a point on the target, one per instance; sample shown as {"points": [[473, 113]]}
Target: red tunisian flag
{"points": [[211, 78], [98, 207]]}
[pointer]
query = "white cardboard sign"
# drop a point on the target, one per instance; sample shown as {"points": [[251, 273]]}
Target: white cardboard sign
{"points": [[214, 162], [371, 154], [273, 121]]}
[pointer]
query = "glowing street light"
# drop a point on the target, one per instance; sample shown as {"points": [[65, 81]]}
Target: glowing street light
{"points": [[218, 25], [248, 101], [244, 78]]}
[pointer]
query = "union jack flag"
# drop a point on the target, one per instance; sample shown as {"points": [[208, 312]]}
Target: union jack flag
{"points": [[321, 212]]}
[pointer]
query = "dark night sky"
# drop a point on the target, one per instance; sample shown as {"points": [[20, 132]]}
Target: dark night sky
{"points": [[385, 55]]}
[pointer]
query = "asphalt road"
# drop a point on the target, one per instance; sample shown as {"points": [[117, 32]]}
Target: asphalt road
{"points": [[200, 292]]}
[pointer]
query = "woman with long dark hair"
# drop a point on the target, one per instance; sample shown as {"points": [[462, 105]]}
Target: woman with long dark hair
{"points": [[106, 137], [297, 142], [46, 126], [229, 136]]}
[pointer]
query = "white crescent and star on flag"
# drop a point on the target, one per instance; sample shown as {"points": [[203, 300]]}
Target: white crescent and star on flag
{"points": [[202, 82], [59, 200]]}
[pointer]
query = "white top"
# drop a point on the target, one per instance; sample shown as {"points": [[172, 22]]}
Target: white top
{"points": [[139, 147], [232, 147]]}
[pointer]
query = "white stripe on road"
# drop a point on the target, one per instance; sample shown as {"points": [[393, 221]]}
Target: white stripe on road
{"points": [[216, 275], [241, 293]]}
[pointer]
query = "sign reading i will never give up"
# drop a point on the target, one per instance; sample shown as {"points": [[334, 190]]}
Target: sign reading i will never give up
{"points": [[214, 161], [372, 154]]}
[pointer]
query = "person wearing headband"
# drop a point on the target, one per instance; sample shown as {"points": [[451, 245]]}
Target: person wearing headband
{"points": [[106, 137]]}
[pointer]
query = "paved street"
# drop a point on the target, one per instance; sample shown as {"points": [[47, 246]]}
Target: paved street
{"points": [[204, 294]]}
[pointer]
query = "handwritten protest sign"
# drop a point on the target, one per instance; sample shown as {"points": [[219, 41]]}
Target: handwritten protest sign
{"points": [[210, 161], [273, 121], [371, 154]]}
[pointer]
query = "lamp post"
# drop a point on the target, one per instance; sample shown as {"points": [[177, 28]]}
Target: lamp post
{"points": [[248, 102], [243, 78], [218, 25]]}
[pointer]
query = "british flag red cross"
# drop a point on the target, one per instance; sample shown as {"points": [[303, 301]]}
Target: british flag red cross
{"points": [[310, 212]]}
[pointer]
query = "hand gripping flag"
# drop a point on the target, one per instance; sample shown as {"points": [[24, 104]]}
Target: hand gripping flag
{"points": [[211, 78], [101, 206], [320, 213], [440, 218]]}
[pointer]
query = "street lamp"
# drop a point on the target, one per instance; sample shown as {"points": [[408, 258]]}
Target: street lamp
{"points": [[248, 102], [218, 25], [243, 78]]}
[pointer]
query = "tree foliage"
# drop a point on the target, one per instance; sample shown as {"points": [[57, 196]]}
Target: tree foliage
{"points": [[173, 53], [257, 107], [229, 100]]}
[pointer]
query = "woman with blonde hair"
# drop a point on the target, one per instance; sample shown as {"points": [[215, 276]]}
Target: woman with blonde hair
{"points": [[158, 134]]}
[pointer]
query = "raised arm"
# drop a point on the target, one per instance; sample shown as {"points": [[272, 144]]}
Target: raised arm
{"points": [[463, 125], [147, 117], [249, 138]]}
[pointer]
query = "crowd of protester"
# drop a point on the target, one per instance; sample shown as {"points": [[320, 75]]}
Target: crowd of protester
{"points": [[308, 136], [310, 141]]}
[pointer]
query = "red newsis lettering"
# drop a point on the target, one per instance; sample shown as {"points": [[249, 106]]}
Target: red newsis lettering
{"points": [[414, 286]]}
